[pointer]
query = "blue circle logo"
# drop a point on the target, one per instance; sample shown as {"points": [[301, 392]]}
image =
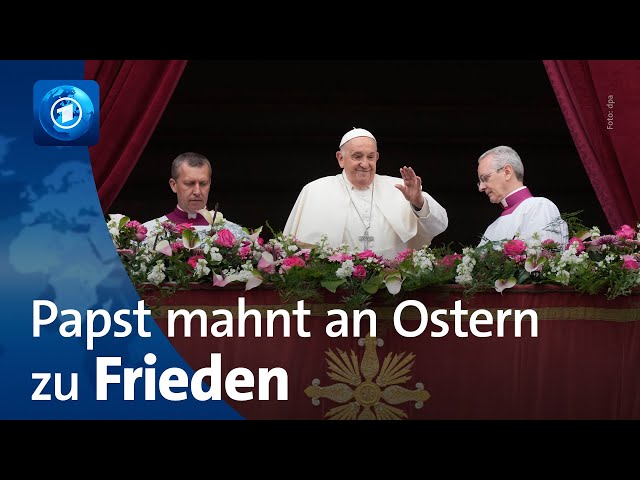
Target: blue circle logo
{"points": [[66, 113]]}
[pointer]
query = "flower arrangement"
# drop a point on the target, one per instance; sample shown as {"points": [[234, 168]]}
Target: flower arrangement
{"points": [[178, 256], [175, 256]]}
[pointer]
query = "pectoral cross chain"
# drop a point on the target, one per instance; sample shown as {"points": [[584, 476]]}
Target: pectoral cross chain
{"points": [[366, 238]]}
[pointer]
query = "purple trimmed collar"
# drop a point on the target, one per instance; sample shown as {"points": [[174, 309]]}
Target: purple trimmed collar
{"points": [[510, 202], [180, 216]]}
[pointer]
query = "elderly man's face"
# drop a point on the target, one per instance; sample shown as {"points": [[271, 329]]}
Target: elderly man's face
{"points": [[491, 181], [358, 157], [192, 187]]}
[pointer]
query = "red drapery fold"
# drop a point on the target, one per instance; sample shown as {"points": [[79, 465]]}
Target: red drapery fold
{"points": [[600, 100], [133, 96]]}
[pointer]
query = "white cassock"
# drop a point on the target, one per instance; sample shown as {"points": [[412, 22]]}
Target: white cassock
{"points": [[198, 222], [331, 206], [530, 215]]}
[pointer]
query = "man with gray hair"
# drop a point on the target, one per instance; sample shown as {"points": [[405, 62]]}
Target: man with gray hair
{"points": [[364, 210], [501, 177]]}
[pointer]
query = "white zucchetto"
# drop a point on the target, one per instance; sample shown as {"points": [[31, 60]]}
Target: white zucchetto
{"points": [[356, 132]]}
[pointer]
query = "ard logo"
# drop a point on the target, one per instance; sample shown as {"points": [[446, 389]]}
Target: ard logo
{"points": [[66, 112]]}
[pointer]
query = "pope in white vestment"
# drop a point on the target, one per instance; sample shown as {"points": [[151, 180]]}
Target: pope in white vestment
{"points": [[364, 210]]}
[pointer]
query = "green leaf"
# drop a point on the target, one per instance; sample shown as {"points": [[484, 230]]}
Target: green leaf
{"points": [[523, 277], [373, 285], [332, 285]]}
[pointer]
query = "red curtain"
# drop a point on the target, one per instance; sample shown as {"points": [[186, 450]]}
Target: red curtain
{"points": [[600, 100], [133, 96]]}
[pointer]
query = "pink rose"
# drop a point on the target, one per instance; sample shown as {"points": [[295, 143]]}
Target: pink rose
{"points": [[289, 262], [245, 252], [401, 256], [139, 229], [580, 248], [176, 246], [340, 257], [226, 238], [630, 262], [305, 252], [514, 247], [183, 226], [193, 261], [370, 254], [141, 233], [359, 271], [450, 260], [626, 232]]}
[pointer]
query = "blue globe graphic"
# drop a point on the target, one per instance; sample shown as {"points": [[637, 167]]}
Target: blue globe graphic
{"points": [[66, 112]]}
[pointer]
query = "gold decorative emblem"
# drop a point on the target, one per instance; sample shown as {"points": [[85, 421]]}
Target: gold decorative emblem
{"points": [[369, 399]]}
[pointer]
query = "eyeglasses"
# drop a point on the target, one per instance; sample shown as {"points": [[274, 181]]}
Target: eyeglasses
{"points": [[485, 178]]}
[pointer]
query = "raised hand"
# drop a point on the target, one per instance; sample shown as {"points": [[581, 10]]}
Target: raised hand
{"points": [[412, 187]]}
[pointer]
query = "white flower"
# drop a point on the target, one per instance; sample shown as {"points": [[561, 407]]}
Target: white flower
{"points": [[345, 270], [201, 269], [208, 215], [157, 276], [465, 267], [114, 218], [393, 282], [534, 247], [534, 264], [502, 284]]}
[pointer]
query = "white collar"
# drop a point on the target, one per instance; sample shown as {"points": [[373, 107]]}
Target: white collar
{"points": [[189, 215], [353, 187], [504, 203]]}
